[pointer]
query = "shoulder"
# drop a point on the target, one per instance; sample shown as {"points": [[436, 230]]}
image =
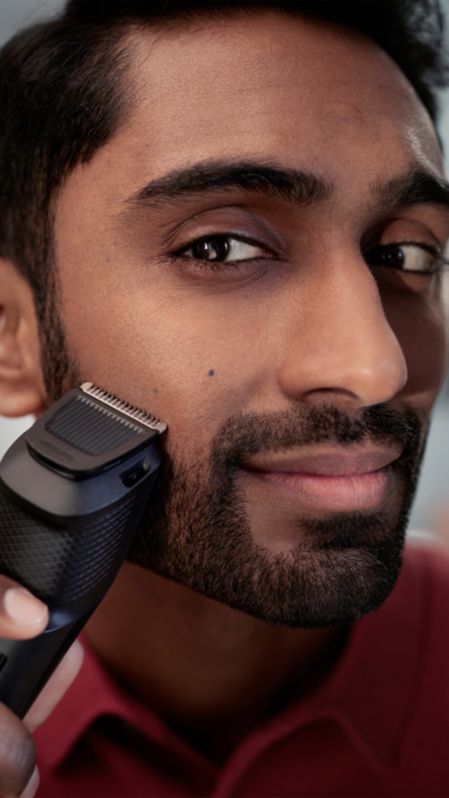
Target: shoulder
{"points": [[423, 588], [413, 622], [426, 562], [427, 568], [426, 573]]}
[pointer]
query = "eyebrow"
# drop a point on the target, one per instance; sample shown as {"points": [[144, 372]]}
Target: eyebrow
{"points": [[293, 186], [414, 188]]}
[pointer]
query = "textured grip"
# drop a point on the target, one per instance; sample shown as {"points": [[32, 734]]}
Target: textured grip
{"points": [[72, 494], [60, 564]]}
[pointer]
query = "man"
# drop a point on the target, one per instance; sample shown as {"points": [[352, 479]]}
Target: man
{"points": [[235, 218]]}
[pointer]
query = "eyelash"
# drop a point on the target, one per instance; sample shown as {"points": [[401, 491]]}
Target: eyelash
{"points": [[220, 266], [441, 264]]}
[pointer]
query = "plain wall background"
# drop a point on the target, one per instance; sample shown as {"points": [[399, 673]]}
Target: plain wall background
{"points": [[434, 485]]}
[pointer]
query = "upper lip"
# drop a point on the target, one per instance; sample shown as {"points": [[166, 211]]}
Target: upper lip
{"points": [[329, 461]]}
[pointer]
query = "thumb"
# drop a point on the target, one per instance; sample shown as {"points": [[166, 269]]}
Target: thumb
{"points": [[57, 685]]}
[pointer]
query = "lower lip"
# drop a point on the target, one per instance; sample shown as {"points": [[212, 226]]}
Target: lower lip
{"points": [[332, 493]]}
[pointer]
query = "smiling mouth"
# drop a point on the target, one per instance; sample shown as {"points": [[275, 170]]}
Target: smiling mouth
{"points": [[329, 480]]}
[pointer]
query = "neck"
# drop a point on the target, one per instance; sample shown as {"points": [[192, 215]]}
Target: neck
{"points": [[211, 672]]}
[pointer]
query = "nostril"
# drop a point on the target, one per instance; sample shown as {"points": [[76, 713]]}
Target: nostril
{"points": [[333, 392]]}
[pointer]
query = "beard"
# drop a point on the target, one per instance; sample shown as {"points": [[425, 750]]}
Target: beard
{"points": [[197, 529]]}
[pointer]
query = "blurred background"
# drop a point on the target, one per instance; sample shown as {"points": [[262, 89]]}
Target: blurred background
{"points": [[433, 492]]}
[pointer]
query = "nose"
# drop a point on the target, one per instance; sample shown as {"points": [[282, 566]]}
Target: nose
{"points": [[340, 341]]}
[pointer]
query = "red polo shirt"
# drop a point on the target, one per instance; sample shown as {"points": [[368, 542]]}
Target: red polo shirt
{"points": [[378, 726]]}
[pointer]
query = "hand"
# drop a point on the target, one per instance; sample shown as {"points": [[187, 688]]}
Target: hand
{"points": [[22, 616]]}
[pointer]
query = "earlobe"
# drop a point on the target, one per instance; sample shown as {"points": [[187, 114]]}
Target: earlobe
{"points": [[22, 390]]}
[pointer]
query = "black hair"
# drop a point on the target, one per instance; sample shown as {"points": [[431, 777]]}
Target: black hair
{"points": [[62, 97]]}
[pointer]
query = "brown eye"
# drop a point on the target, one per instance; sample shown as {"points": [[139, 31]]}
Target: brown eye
{"points": [[223, 249], [214, 249], [406, 257]]}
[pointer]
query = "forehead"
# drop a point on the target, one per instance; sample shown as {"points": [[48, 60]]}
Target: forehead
{"points": [[314, 95], [251, 79]]}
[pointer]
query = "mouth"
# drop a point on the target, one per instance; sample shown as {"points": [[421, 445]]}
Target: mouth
{"points": [[328, 479]]}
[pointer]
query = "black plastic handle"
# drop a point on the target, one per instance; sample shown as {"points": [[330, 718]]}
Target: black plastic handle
{"points": [[67, 558], [26, 665]]}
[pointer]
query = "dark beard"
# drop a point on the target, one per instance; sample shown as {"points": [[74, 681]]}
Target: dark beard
{"points": [[196, 529]]}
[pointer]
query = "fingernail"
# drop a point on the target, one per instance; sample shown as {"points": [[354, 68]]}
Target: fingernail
{"points": [[31, 788], [23, 608]]}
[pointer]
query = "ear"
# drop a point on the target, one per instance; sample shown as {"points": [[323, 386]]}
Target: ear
{"points": [[22, 390]]}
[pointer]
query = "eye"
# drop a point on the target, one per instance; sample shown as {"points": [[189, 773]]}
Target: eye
{"points": [[407, 257], [223, 249]]}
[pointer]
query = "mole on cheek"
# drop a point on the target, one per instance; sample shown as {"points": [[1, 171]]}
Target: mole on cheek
{"points": [[211, 373]]}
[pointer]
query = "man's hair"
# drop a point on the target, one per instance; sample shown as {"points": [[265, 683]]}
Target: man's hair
{"points": [[63, 95]]}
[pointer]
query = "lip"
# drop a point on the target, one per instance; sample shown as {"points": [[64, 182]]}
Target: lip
{"points": [[332, 479], [337, 462]]}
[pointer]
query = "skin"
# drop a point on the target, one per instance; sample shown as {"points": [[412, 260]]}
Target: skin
{"points": [[323, 328]]}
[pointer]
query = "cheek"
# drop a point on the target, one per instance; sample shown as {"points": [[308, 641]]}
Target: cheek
{"points": [[190, 361], [420, 325]]}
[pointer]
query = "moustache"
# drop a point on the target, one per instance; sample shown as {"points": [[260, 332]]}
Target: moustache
{"points": [[250, 433]]}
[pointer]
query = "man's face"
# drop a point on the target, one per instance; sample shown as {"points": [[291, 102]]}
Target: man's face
{"points": [[288, 328]]}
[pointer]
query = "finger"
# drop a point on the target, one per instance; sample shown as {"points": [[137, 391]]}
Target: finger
{"points": [[55, 688], [31, 788], [22, 615], [17, 754]]}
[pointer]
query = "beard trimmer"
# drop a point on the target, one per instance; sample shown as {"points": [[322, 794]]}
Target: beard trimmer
{"points": [[73, 490]]}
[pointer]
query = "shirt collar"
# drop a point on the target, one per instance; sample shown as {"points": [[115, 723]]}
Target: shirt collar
{"points": [[95, 694], [374, 685], [371, 691], [368, 693]]}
